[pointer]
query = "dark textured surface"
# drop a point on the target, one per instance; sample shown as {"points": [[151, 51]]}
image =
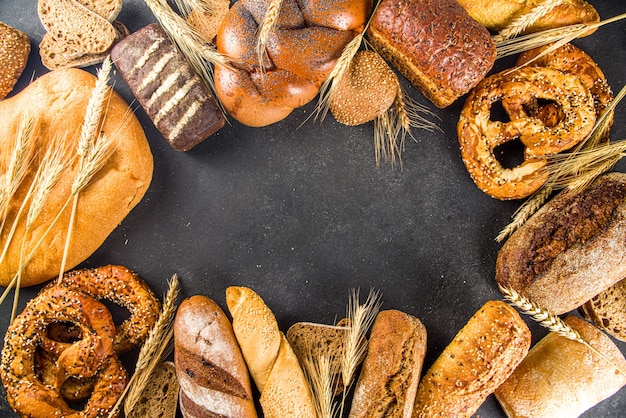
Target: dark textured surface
{"points": [[299, 212]]}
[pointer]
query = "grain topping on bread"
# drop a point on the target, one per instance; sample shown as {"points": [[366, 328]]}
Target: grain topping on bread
{"points": [[14, 51]]}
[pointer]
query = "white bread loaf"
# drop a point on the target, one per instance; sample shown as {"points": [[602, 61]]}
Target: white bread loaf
{"points": [[213, 376], [58, 102], [272, 362], [563, 378], [480, 357]]}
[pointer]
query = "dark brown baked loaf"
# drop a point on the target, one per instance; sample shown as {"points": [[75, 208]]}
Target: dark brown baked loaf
{"points": [[172, 94], [572, 249], [433, 43], [213, 376], [392, 369]]}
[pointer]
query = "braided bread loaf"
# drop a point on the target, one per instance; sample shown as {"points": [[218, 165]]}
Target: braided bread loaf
{"points": [[302, 50]]}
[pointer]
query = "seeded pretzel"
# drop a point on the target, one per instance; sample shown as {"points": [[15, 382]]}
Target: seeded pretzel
{"points": [[92, 356], [479, 135]]}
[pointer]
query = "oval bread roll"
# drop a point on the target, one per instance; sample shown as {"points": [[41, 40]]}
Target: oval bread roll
{"points": [[58, 101]]}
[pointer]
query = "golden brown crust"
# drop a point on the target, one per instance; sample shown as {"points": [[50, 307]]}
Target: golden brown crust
{"points": [[497, 14], [564, 254], [92, 355], [563, 378], [14, 52], [391, 371], [301, 51], [435, 44], [272, 362], [479, 132], [479, 358], [58, 102], [209, 364]]}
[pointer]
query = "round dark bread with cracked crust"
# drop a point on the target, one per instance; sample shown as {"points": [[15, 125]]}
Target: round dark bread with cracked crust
{"points": [[570, 250]]}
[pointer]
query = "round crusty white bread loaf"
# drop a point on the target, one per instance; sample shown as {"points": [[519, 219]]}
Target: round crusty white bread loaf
{"points": [[58, 101], [563, 378], [213, 376]]}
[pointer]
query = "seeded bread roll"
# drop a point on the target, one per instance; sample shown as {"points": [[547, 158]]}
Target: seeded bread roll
{"points": [[172, 94], [14, 51], [480, 357], [564, 378], [58, 101], [213, 377], [433, 43], [392, 368], [571, 249]]}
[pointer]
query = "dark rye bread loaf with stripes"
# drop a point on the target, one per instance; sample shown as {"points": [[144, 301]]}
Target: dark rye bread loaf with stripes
{"points": [[170, 91], [213, 377]]}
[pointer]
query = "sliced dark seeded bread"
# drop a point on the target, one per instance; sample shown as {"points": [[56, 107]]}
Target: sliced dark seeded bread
{"points": [[160, 397], [79, 28], [608, 310]]}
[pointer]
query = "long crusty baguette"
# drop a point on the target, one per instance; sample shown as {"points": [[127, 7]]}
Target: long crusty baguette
{"points": [[480, 357], [272, 362], [392, 368], [563, 378], [570, 250], [212, 373], [58, 101]]}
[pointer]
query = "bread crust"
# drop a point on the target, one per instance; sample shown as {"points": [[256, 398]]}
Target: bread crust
{"points": [[571, 249], [391, 371], [211, 370], [58, 101], [479, 358], [563, 378], [435, 44], [497, 14]]}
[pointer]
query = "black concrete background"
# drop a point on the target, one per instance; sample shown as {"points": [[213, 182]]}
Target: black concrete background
{"points": [[301, 213]]}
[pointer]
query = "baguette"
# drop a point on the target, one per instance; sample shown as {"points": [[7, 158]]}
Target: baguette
{"points": [[480, 357], [570, 250], [272, 362], [563, 378], [213, 377], [391, 371]]}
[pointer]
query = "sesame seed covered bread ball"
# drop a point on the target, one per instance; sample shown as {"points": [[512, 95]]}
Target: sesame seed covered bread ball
{"points": [[367, 90]]}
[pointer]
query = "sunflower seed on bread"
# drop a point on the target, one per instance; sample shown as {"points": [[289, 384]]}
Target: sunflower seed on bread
{"points": [[608, 310], [14, 51], [70, 22]]}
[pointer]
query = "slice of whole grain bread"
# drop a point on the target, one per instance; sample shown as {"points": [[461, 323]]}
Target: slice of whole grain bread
{"points": [[608, 310], [160, 397], [108, 9], [79, 28]]}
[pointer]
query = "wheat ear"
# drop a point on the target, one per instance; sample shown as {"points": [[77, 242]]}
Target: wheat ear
{"points": [[93, 149], [153, 350], [319, 373], [360, 317], [265, 29], [521, 23], [549, 320]]}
